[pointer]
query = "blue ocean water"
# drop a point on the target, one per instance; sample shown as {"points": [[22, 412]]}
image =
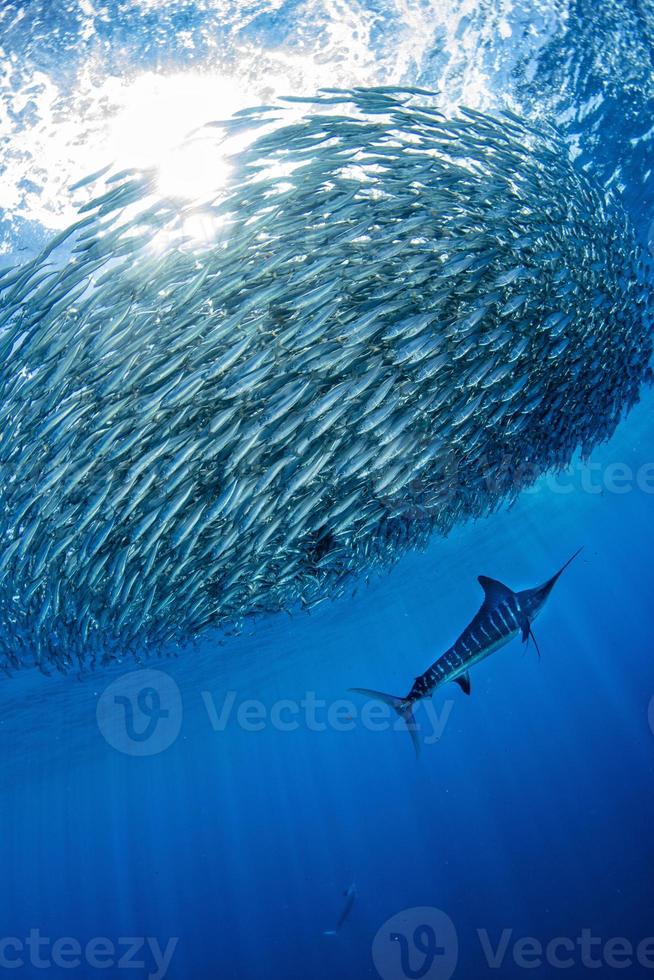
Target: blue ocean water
{"points": [[203, 821]]}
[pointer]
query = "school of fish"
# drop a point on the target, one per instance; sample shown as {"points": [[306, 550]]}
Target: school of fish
{"points": [[400, 320]]}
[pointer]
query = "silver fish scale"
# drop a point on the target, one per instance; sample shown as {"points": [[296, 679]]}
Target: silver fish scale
{"points": [[198, 432]]}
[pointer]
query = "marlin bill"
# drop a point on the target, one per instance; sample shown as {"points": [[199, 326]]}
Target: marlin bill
{"points": [[504, 614]]}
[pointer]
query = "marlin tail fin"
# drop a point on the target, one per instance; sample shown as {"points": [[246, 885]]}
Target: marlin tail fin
{"points": [[401, 706]]}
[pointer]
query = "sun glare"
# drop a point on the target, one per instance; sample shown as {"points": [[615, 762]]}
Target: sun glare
{"points": [[159, 113], [194, 170]]}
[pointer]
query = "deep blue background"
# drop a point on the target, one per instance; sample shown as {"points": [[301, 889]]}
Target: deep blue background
{"points": [[532, 813]]}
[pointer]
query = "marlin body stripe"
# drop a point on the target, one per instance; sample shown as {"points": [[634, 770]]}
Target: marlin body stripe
{"points": [[504, 615]]}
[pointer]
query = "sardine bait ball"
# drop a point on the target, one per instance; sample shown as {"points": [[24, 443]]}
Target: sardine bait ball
{"points": [[398, 320]]}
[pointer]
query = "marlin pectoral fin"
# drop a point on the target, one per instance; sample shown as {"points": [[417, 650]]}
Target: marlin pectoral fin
{"points": [[464, 682], [527, 632], [531, 633]]}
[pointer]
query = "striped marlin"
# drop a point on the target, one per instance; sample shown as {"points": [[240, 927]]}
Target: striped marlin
{"points": [[504, 614]]}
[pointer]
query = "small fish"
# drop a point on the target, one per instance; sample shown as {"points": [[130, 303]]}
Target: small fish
{"points": [[350, 895], [195, 432]]}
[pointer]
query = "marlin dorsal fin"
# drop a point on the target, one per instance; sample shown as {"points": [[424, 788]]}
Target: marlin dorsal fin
{"points": [[494, 591]]}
